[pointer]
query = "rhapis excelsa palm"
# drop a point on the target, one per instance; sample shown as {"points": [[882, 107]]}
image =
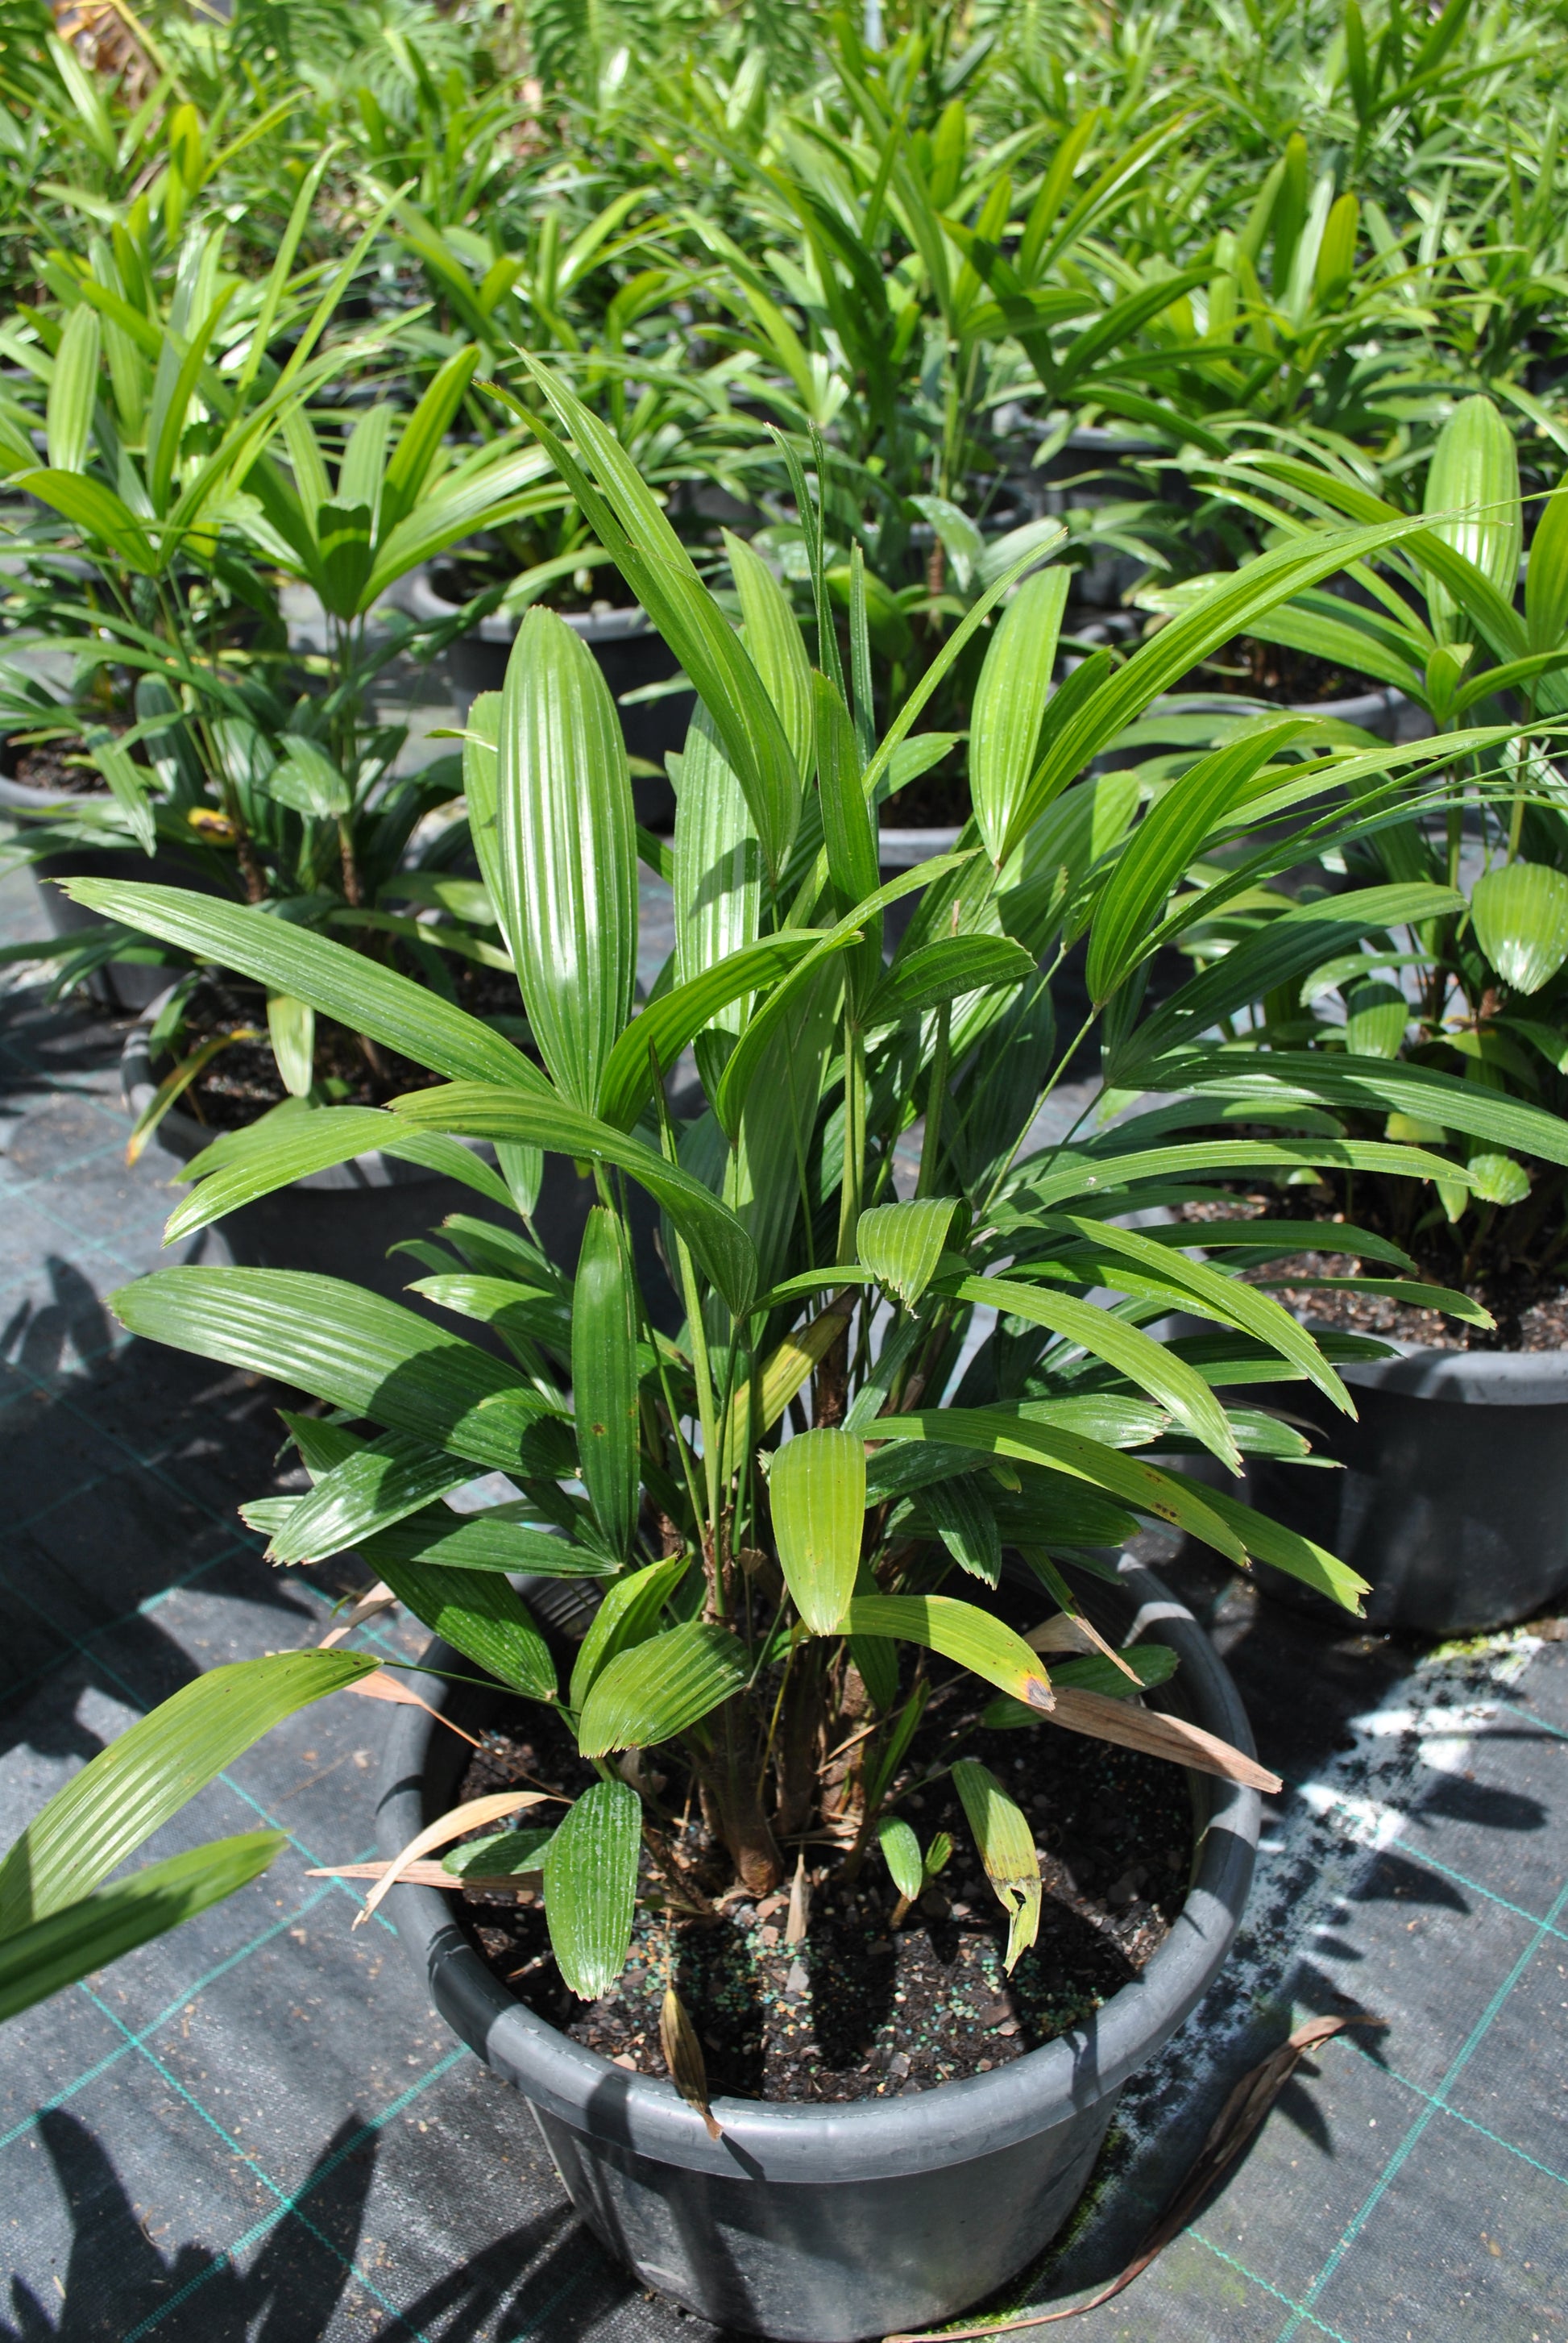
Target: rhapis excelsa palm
{"points": [[864, 1242]]}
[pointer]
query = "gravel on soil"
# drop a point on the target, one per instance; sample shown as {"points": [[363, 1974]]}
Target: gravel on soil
{"points": [[1530, 1305]]}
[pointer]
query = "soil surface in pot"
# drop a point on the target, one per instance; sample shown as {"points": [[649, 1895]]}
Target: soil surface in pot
{"points": [[939, 799], [1256, 670], [242, 1081], [58, 766], [1528, 1299], [858, 2009]]}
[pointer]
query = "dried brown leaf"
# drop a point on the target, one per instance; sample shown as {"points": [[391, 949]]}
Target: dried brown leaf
{"points": [[683, 2057], [1158, 1736], [384, 1686], [444, 1830]]}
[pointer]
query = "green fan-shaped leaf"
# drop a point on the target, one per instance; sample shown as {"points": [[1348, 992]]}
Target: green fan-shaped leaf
{"points": [[1145, 1362], [156, 1766], [1006, 1844], [817, 1494], [629, 1614], [661, 1687], [1010, 703], [773, 639], [504, 1537], [627, 520], [1376, 1084], [966, 1523], [476, 1612], [1521, 915], [485, 1110], [961, 1633], [902, 1245], [659, 1035], [50, 1954], [946, 971], [590, 1887], [901, 1852], [374, 1486], [604, 1376], [345, 985], [568, 851], [290, 1143], [353, 1349], [1472, 482]]}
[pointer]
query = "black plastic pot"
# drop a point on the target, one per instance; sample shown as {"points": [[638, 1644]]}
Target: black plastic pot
{"points": [[630, 654], [820, 2224], [1454, 1499], [128, 985], [342, 1222], [1387, 713]]}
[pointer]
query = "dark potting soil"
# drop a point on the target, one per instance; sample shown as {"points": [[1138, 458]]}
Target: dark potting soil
{"points": [[242, 1081], [46, 766], [939, 799], [1256, 670], [1529, 1302], [858, 2009]]}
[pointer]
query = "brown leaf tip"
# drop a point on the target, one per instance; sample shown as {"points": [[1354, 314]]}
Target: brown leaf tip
{"points": [[1037, 1692]]}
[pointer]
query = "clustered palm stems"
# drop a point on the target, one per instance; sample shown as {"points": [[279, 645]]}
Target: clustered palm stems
{"points": [[847, 1216]]}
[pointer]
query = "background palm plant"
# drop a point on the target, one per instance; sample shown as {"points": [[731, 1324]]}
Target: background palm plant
{"points": [[186, 464], [1478, 990], [764, 1597]]}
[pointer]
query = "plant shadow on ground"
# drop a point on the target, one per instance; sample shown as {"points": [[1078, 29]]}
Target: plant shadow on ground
{"points": [[118, 2280], [121, 1472]]}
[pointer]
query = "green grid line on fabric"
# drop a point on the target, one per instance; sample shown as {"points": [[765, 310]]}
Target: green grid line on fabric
{"points": [[290, 1919], [1400, 2155], [287, 2204]]}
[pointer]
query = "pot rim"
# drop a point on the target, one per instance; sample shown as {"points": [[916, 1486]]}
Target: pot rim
{"points": [[1465, 1378], [868, 2138], [21, 797], [421, 601]]}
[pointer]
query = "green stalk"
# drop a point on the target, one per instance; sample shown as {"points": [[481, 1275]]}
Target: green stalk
{"points": [[854, 1139], [702, 1372], [936, 1099]]}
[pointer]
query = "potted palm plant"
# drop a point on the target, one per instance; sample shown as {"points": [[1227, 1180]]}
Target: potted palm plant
{"points": [[255, 769], [1452, 1499], [791, 1475]]}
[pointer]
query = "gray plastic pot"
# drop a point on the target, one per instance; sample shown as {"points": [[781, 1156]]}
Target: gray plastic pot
{"points": [[1454, 1499], [630, 653], [127, 985], [342, 1222], [817, 2224]]}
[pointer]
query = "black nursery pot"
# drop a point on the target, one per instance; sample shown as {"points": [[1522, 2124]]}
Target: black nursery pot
{"points": [[824, 2224], [343, 1221], [630, 654], [129, 985], [1453, 1496]]}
